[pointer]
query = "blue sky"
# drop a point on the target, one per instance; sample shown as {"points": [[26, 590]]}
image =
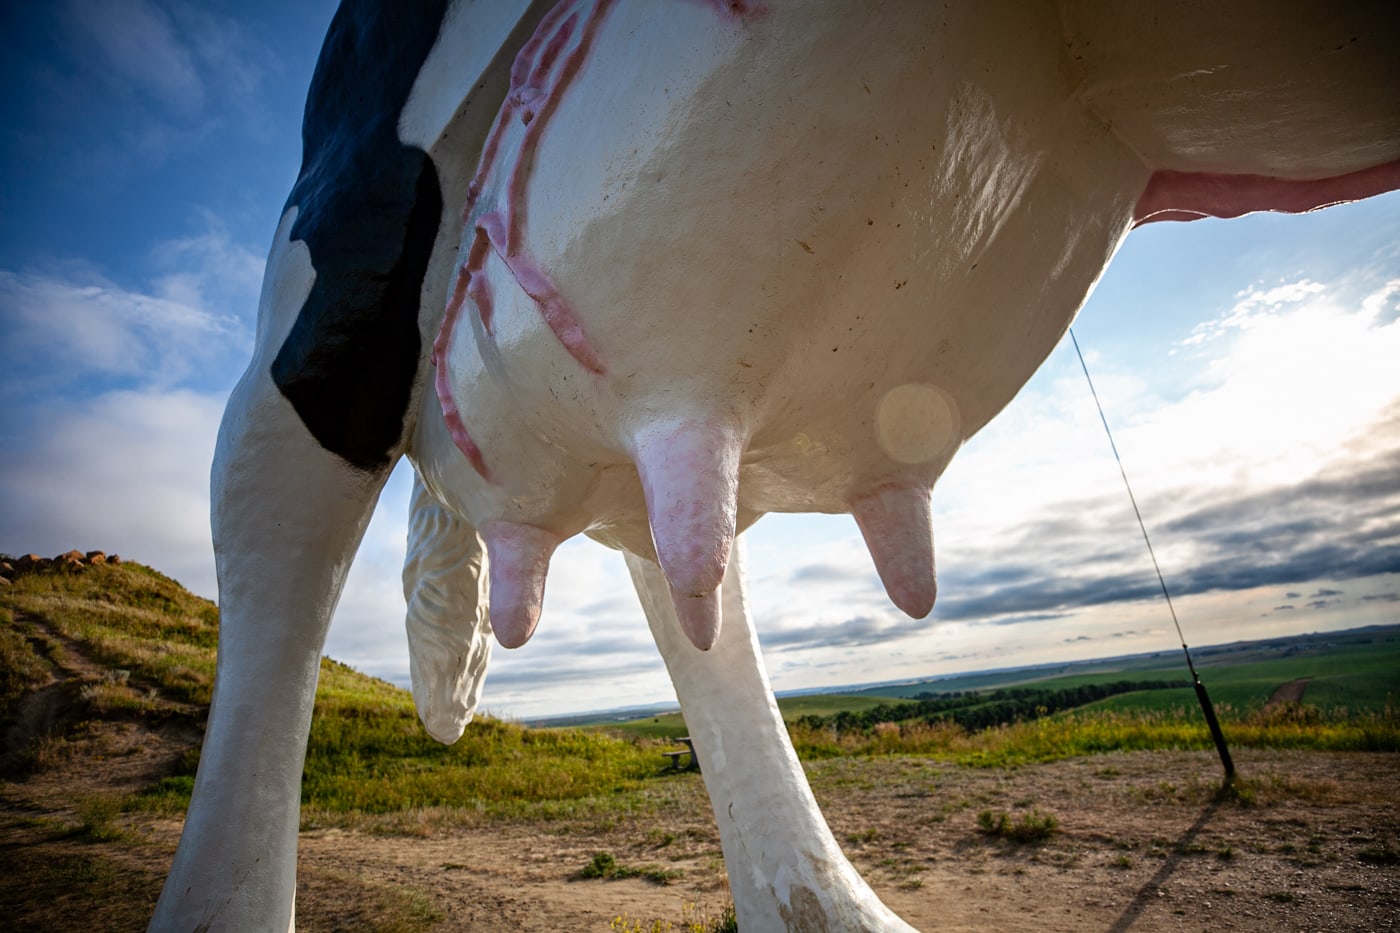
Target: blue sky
{"points": [[1248, 368]]}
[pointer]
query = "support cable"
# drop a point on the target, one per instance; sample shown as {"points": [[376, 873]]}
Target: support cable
{"points": [[1202, 697]]}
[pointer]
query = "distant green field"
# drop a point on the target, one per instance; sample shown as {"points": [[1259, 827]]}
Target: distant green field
{"points": [[824, 704], [1353, 672], [672, 725], [1357, 678], [664, 726], [1357, 671]]}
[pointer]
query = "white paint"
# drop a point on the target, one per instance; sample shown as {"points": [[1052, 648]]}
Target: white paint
{"points": [[287, 517], [815, 247], [786, 870], [472, 33], [449, 632]]}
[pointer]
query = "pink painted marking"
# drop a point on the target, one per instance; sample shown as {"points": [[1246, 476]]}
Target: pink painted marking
{"points": [[520, 71], [556, 311], [489, 150], [460, 291], [525, 59], [1171, 195], [547, 102], [536, 85], [476, 279], [493, 225], [442, 382], [539, 77]]}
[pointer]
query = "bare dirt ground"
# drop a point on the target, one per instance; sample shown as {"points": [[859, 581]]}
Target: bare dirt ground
{"points": [[1311, 842], [1142, 844]]}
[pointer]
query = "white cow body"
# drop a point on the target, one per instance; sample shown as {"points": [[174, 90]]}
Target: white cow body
{"points": [[787, 285], [712, 260]]}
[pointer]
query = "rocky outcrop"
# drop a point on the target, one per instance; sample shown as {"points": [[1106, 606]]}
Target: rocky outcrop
{"points": [[73, 561]]}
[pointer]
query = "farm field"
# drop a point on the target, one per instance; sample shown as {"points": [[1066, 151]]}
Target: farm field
{"points": [[672, 725], [1092, 819], [1343, 672], [1356, 669]]}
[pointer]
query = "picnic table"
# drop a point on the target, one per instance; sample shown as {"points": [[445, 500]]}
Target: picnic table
{"points": [[680, 753]]}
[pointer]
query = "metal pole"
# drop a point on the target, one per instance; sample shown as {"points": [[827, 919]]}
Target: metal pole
{"points": [[1204, 698]]}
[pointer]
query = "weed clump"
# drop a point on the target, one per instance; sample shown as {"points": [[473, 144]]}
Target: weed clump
{"points": [[605, 866], [97, 816], [1383, 854], [1031, 827]]}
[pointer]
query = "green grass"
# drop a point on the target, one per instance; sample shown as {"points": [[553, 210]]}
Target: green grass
{"points": [[1030, 827], [1090, 732], [665, 726], [368, 753], [1358, 678], [824, 704], [604, 865], [128, 617], [369, 757], [1357, 671], [672, 725], [22, 667]]}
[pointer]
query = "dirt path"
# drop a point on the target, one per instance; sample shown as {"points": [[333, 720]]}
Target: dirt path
{"points": [[108, 755], [1291, 692]]}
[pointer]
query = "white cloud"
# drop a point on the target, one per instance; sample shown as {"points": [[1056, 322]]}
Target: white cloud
{"points": [[136, 43], [1253, 306], [209, 270], [124, 472], [1382, 306], [77, 330], [63, 331], [1288, 390], [112, 399]]}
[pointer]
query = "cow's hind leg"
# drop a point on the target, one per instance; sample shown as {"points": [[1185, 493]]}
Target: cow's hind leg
{"points": [[786, 871], [308, 438], [287, 516]]}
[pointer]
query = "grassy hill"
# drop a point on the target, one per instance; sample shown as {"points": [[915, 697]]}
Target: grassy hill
{"points": [[149, 647], [106, 672]]}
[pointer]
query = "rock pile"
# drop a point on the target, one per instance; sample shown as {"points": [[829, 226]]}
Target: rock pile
{"points": [[67, 562]]}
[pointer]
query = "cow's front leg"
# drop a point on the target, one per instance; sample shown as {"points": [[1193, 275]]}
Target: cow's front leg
{"points": [[786, 870], [287, 518]]}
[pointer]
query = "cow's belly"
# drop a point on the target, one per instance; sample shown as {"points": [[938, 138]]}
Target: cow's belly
{"points": [[807, 227]]}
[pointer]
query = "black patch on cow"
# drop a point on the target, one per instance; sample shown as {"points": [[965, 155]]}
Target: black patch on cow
{"points": [[368, 209]]}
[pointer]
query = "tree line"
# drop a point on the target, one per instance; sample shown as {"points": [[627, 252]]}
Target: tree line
{"points": [[975, 711]]}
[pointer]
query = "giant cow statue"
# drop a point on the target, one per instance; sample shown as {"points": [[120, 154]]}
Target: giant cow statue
{"points": [[648, 269]]}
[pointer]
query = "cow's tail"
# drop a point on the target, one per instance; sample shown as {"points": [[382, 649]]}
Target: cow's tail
{"points": [[449, 632]]}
